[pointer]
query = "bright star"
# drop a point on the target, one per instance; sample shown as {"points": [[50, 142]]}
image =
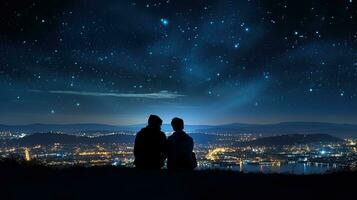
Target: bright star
{"points": [[164, 21]]}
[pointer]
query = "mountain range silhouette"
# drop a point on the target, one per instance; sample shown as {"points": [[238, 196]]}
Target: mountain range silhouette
{"points": [[335, 129]]}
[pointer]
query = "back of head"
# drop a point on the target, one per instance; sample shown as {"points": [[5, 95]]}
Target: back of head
{"points": [[154, 121], [177, 124]]}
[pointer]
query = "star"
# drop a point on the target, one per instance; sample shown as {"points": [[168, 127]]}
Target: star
{"points": [[80, 59], [164, 21], [266, 75]]}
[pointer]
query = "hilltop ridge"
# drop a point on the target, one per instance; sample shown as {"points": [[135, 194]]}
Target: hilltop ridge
{"points": [[124, 183], [339, 130]]}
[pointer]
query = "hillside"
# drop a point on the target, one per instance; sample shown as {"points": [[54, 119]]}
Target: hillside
{"points": [[50, 138], [293, 139], [338, 130], [21, 182]]}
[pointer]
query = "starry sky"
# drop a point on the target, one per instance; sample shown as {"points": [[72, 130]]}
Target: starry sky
{"points": [[207, 61]]}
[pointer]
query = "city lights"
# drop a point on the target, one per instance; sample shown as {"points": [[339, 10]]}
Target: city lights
{"points": [[222, 153]]}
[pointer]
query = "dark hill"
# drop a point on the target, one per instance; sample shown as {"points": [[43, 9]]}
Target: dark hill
{"points": [[293, 139], [50, 138], [339, 130], [19, 182]]}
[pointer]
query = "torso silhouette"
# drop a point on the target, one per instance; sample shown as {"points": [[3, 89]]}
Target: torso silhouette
{"points": [[180, 156], [150, 148]]}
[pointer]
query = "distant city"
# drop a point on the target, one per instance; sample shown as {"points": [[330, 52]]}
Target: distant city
{"points": [[297, 153]]}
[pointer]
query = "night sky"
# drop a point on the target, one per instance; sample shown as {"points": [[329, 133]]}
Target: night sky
{"points": [[209, 62]]}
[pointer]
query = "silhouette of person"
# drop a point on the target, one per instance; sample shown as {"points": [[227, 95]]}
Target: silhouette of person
{"points": [[180, 146], [150, 145]]}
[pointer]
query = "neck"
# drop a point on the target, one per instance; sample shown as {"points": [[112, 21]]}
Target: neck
{"points": [[178, 131]]}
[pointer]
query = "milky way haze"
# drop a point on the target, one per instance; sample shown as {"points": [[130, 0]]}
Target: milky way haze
{"points": [[209, 62]]}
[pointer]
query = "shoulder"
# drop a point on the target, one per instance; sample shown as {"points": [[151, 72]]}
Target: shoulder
{"points": [[188, 136], [171, 137], [141, 132], [190, 139], [163, 135]]}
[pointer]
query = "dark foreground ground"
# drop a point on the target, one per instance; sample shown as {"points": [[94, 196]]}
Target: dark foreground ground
{"points": [[37, 182]]}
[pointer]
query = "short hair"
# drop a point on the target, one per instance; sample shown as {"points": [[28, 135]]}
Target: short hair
{"points": [[177, 124], [154, 120]]}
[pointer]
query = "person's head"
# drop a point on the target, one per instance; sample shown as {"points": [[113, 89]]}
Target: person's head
{"points": [[177, 124], [154, 121]]}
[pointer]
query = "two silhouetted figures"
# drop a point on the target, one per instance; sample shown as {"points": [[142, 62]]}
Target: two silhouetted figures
{"points": [[152, 148]]}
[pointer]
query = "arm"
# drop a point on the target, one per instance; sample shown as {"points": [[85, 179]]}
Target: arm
{"points": [[137, 145], [164, 147], [191, 145], [193, 159]]}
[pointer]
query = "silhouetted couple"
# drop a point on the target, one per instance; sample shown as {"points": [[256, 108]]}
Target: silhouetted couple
{"points": [[152, 148]]}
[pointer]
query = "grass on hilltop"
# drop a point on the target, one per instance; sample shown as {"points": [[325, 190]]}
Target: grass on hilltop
{"points": [[22, 179]]}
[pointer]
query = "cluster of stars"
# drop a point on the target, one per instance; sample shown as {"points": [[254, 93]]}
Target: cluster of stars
{"points": [[230, 51]]}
